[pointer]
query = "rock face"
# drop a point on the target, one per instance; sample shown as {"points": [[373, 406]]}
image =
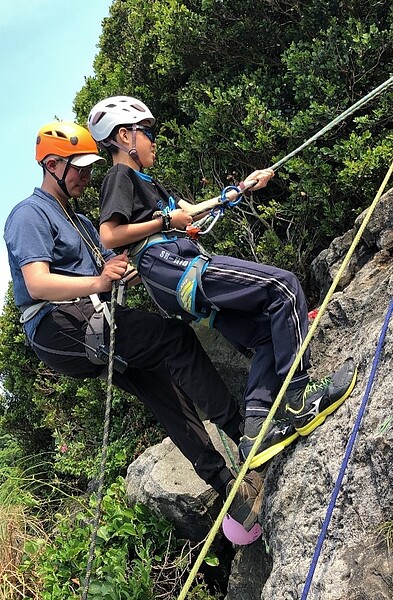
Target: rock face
{"points": [[354, 563]]}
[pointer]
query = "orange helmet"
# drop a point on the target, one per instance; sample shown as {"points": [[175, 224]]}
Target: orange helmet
{"points": [[63, 139]]}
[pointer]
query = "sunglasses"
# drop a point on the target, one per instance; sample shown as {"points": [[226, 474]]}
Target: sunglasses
{"points": [[147, 131]]}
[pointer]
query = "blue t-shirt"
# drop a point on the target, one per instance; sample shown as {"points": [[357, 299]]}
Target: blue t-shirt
{"points": [[38, 230]]}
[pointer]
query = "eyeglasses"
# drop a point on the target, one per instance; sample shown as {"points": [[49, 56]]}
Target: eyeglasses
{"points": [[147, 131], [82, 171]]}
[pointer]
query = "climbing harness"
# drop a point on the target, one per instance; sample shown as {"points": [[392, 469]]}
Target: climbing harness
{"points": [[31, 311], [258, 440], [347, 454], [136, 253], [95, 348], [189, 283], [191, 280]]}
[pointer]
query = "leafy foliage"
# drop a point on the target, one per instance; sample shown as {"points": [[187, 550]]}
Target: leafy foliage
{"points": [[237, 85], [136, 556]]}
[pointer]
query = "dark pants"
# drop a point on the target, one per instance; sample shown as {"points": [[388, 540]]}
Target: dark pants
{"points": [[168, 370], [260, 307]]}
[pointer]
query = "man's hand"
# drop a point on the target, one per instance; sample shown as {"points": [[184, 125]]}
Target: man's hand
{"points": [[114, 270]]}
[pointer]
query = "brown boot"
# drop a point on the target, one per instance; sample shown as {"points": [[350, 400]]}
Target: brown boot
{"points": [[247, 502]]}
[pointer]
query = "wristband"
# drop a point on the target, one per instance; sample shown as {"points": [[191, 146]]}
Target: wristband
{"points": [[166, 219]]}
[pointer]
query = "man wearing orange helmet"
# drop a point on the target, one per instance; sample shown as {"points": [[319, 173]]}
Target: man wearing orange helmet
{"points": [[59, 269]]}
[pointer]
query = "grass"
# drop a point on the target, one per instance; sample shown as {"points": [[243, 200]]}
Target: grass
{"points": [[385, 530], [17, 528]]}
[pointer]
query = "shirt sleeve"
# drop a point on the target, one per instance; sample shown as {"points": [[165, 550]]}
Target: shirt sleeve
{"points": [[116, 197], [29, 236]]}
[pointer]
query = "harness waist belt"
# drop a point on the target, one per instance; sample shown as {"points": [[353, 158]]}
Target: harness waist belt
{"points": [[157, 238], [31, 311]]}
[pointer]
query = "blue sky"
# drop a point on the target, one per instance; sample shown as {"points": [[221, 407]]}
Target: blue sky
{"points": [[47, 48]]}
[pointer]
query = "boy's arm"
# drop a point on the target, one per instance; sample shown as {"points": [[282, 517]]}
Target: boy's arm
{"points": [[115, 234], [255, 181]]}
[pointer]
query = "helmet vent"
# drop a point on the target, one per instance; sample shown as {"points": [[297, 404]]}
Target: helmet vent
{"points": [[97, 117], [55, 133], [138, 107]]}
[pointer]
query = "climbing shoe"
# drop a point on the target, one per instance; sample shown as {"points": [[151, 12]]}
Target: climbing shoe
{"points": [[247, 502], [308, 407], [280, 435]]}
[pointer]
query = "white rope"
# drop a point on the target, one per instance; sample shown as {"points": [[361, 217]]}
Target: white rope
{"points": [[335, 121]]}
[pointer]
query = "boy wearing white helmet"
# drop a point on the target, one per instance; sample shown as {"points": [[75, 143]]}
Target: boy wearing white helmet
{"points": [[61, 273], [256, 307]]}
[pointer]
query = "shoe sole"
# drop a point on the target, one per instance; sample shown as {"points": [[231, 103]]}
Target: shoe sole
{"points": [[309, 428], [263, 457]]}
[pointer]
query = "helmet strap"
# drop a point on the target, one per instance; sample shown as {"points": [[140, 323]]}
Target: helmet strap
{"points": [[133, 153], [61, 181]]}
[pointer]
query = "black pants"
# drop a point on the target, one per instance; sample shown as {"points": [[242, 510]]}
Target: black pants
{"points": [[167, 369]]}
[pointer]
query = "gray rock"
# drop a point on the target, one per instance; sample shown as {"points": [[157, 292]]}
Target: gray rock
{"points": [[354, 563], [165, 481]]}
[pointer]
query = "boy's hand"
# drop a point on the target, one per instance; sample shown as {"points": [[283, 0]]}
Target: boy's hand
{"points": [[180, 219], [261, 177]]}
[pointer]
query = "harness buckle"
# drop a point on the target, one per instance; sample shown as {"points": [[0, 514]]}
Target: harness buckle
{"points": [[96, 350], [189, 283]]}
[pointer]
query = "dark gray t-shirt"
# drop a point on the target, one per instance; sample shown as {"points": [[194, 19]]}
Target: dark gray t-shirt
{"points": [[133, 195]]}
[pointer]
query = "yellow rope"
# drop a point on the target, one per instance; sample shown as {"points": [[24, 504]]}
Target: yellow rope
{"points": [[273, 410]]}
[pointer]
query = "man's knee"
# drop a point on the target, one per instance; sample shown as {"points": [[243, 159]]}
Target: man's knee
{"points": [[180, 329]]}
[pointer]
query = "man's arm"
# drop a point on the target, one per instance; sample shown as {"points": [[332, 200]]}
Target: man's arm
{"points": [[44, 285]]}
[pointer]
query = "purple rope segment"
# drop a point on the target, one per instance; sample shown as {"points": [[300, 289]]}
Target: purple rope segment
{"points": [[347, 455]]}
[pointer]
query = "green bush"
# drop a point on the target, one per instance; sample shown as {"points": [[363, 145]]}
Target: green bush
{"points": [[136, 555]]}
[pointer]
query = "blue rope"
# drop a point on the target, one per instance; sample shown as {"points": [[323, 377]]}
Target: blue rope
{"points": [[348, 451]]}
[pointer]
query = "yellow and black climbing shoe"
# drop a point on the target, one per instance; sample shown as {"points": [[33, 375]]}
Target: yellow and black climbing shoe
{"points": [[278, 437], [308, 407]]}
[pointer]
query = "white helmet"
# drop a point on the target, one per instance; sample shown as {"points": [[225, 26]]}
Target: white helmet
{"points": [[119, 110]]}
